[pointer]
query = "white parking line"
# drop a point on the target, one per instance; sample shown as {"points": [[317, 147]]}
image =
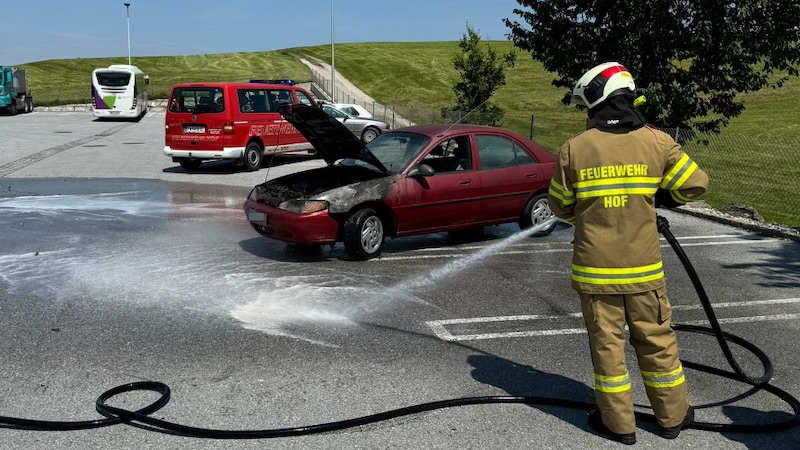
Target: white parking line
{"points": [[516, 249], [440, 327]]}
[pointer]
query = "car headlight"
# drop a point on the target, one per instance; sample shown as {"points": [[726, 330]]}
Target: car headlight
{"points": [[303, 206], [254, 194]]}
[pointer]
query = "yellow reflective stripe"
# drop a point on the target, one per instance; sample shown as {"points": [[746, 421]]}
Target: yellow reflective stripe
{"points": [[619, 383], [679, 173], [617, 186], [678, 197], [617, 275], [663, 380], [564, 196]]}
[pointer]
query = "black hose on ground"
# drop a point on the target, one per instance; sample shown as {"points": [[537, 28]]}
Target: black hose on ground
{"points": [[141, 417]]}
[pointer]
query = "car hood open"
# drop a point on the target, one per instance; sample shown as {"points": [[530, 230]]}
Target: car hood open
{"points": [[331, 139]]}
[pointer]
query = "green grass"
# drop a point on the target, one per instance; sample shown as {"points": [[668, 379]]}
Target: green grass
{"points": [[753, 162], [68, 81]]}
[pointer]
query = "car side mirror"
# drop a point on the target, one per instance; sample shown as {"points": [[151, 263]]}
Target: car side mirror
{"points": [[421, 171]]}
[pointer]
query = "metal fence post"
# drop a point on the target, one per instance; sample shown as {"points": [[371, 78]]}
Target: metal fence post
{"points": [[531, 133]]}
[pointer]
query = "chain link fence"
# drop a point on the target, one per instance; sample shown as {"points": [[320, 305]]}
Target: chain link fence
{"points": [[757, 172]]}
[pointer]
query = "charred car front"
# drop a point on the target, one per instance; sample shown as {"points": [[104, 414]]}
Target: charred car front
{"points": [[412, 181]]}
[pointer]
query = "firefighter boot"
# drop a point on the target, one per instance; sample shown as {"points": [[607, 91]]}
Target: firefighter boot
{"points": [[673, 432], [596, 423]]}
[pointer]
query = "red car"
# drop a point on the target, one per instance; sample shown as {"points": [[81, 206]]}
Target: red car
{"points": [[416, 180]]}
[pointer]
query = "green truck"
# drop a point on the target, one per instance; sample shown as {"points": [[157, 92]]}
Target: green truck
{"points": [[15, 95]]}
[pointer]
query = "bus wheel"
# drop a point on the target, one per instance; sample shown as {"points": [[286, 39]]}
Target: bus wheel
{"points": [[253, 155], [190, 164]]}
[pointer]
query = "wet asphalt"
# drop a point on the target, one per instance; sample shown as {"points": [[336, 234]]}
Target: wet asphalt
{"points": [[117, 266]]}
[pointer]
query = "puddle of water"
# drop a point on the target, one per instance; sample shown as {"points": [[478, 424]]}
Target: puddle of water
{"points": [[184, 264]]}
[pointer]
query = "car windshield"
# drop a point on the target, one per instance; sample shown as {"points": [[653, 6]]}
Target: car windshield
{"points": [[394, 150]]}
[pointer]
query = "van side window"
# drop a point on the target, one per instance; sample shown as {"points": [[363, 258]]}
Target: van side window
{"points": [[260, 102], [244, 100], [303, 99], [253, 101], [285, 97]]}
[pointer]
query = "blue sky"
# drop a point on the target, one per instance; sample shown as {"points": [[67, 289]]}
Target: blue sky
{"points": [[66, 29]]}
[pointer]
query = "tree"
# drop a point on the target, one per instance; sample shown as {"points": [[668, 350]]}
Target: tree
{"points": [[689, 57], [481, 73]]}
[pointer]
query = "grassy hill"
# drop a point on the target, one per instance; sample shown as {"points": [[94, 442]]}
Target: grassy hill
{"points": [[753, 162]]}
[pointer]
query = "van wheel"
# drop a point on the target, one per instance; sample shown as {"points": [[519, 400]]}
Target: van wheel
{"points": [[537, 212], [369, 134], [253, 155], [364, 234], [190, 164]]}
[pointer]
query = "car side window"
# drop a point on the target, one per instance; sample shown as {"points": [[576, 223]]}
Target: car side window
{"points": [[333, 112], [498, 151], [451, 155]]}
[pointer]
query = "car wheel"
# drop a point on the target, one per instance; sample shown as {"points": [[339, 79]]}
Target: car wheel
{"points": [[190, 164], [369, 134], [253, 155], [364, 234], [537, 212]]}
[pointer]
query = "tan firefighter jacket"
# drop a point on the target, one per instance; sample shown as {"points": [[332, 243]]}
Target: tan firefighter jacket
{"points": [[605, 184]]}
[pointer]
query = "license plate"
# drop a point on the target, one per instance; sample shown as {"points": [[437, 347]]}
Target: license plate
{"points": [[256, 217], [194, 129]]}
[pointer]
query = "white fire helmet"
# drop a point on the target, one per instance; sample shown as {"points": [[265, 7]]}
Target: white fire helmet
{"points": [[600, 83]]}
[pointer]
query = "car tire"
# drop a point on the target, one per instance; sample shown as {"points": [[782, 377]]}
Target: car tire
{"points": [[190, 164], [369, 134], [536, 212], [364, 234], [253, 156]]}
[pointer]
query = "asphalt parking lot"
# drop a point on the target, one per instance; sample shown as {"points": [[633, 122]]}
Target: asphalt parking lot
{"points": [[117, 266]]}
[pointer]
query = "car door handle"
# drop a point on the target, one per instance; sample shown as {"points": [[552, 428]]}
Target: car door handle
{"points": [[465, 183], [531, 175]]}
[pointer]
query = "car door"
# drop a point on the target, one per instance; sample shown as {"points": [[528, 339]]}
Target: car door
{"points": [[451, 198], [288, 137], [508, 175]]}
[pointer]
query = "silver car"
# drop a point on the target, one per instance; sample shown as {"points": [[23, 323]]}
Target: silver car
{"points": [[364, 129]]}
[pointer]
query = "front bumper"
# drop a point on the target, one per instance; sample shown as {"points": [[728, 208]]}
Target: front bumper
{"points": [[314, 228], [225, 153]]}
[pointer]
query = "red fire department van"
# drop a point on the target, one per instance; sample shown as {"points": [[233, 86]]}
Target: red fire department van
{"points": [[233, 121]]}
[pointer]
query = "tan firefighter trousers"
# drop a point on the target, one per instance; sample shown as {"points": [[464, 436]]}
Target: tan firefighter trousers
{"points": [[648, 315]]}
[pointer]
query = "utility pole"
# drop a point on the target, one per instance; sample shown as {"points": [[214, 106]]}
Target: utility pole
{"points": [[333, 60], [128, 15]]}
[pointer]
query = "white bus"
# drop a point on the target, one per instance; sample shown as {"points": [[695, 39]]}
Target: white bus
{"points": [[119, 91]]}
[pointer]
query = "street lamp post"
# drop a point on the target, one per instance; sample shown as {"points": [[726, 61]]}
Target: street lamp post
{"points": [[333, 60], [128, 15]]}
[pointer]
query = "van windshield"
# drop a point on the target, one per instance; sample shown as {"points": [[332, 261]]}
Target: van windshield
{"points": [[197, 100]]}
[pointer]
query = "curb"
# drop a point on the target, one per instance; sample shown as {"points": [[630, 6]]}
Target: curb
{"points": [[704, 211]]}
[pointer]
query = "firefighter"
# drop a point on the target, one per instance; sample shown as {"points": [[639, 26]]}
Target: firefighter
{"points": [[608, 182]]}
